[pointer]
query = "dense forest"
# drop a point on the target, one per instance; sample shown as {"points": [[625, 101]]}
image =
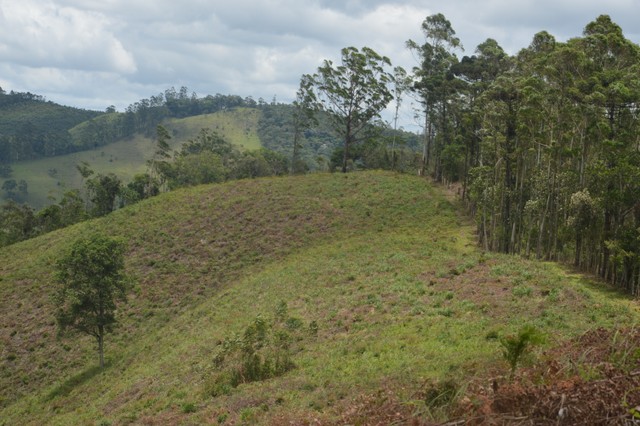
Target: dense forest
{"points": [[545, 143], [31, 127]]}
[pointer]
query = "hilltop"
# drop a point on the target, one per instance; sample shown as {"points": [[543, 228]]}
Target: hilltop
{"points": [[403, 305]]}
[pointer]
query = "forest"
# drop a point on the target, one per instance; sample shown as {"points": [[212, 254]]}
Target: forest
{"points": [[545, 144]]}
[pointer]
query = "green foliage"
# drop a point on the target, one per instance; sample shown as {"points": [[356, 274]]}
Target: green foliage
{"points": [[91, 281], [17, 222], [31, 127], [543, 144], [516, 347], [353, 93], [264, 350], [103, 191]]}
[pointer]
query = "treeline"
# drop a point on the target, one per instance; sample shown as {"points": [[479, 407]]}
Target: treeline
{"points": [[208, 158], [545, 144], [320, 148], [31, 127]]}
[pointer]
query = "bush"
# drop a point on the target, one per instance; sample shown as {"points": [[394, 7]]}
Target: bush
{"points": [[264, 350]]}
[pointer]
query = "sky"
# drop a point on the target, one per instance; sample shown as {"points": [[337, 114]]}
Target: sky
{"points": [[96, 53]]}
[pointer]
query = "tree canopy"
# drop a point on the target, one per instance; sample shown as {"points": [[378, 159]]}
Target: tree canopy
{"points": [[353, 92], [91, 281]]}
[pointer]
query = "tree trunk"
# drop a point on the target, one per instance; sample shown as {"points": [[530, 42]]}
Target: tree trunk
{"points": [[101, 345], [576, 261], [347, 142]]}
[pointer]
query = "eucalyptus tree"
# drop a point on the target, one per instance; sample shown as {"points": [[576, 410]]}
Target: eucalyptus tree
{"points": [[614, 90], [401, 84], [433, 78], [301, 119], [477, 72], [354, 93]]}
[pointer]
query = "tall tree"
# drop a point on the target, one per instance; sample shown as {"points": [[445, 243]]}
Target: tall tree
{"points": [[302, 118], [401, 83], [435, 57], [353, 93], [91, 281]]}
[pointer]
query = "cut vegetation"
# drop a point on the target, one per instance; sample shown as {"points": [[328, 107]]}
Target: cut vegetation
{"points": [[369, 285]]}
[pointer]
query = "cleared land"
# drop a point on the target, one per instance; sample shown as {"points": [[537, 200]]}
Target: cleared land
{"points": [[403, 299]]}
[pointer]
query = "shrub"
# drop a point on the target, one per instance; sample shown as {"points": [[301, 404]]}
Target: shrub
{"points": [[516, 347], [264, 350]]}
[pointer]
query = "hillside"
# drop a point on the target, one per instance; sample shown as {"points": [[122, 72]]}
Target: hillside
{"points": [[382, 264], [51, 177], [31, 127]]}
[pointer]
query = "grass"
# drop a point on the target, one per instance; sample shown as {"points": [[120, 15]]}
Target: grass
{"points": [[49, 178], [380, 262], [239, 126]]}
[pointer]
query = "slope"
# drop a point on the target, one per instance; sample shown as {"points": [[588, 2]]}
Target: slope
{"points": [[50, 177], [382, 263], [32, 127]]}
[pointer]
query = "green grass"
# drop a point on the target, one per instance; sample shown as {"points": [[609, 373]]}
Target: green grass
{"points": [[239, 126], [49, 178], [381, 262]]}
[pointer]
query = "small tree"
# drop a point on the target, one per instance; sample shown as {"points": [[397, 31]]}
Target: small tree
{"points": [[514, 348], [91, 280]]}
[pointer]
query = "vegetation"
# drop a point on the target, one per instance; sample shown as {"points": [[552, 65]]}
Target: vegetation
{"points": [[387, 309], [516, 347], [91, 280], [354, 93], [31, 127], [544, 143], [264, 350], [381, 262]]}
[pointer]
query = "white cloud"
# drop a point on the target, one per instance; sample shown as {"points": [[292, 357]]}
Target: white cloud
{"points": [[93, 53], [42, 34]]}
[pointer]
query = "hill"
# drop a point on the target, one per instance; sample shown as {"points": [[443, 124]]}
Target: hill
{"points": [[406, 310], [52, 176], [31, 127]]}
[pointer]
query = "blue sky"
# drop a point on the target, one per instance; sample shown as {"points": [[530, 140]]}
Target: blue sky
{"points": [[96, 53]]}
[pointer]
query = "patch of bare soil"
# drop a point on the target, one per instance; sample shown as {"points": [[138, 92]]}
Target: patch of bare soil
{"points": [[476, 285]]}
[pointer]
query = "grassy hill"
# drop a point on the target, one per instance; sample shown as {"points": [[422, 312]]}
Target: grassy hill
{"points": [[51, 177], [24, 109], [382, 263]]}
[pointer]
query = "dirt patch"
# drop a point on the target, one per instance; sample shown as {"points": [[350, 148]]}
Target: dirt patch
{"points": [[476, 285]]}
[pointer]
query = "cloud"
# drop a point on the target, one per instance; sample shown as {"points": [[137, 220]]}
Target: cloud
{"points": [[94, 53], [42, 34]]}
